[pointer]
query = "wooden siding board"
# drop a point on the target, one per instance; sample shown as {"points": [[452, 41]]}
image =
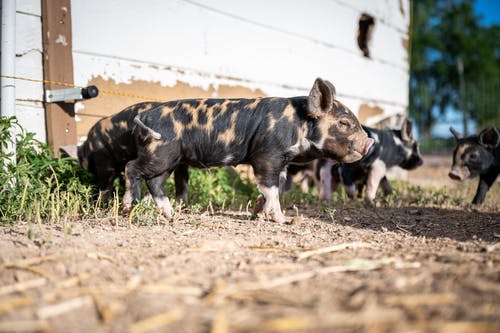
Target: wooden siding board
{"points": [[58, 66]]}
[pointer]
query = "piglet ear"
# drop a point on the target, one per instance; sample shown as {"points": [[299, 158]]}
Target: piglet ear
{"points": [[457, 135], [490, 137], [320, 98], [406, 130], [69, 151]]}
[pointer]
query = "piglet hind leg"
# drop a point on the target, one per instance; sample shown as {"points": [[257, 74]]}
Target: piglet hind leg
{"points": [[181, 179], [386, 186], [156, 186], [106, 185]]}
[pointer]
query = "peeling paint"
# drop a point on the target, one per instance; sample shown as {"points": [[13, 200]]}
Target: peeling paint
{"points": [[89, 66], [366, 112], [61, 39]]}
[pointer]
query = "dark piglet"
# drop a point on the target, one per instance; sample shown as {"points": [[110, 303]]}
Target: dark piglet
{"points": [[267, 133], [110, 145], [477, 155], [321, 173], [391, 148]]}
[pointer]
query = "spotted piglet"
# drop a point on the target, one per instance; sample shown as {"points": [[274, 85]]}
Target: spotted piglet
{"points": [[110, 146], [266, 133], [391, 148], [477, 155]]}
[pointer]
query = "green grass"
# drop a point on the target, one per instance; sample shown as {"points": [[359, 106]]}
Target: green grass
{"points": [[38, 188], [406, 194]]}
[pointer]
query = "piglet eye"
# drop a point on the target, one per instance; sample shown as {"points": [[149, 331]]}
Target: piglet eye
{"points": [[473, 156], [344, 123]]}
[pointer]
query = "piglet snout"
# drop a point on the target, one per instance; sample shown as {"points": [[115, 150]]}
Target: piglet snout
{"points": [[455, 176]]}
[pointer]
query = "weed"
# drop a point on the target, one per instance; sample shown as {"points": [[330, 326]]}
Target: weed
{"points": [[297, 197], [145, 212], [218, 187], [37, 186]]}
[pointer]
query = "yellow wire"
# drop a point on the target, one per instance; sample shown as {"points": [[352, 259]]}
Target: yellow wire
{"points": [[104, 91]]}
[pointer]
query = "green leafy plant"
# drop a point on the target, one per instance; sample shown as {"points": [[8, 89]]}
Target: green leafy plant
{"points": [[220, 187], [37, 186]]}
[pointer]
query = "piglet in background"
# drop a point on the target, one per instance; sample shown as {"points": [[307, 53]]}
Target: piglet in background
{"points": [[477, 155], [110, 145], [392, 148]]}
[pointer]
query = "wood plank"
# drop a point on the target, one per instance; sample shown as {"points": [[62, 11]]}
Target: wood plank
{"points": [[58, 66]]}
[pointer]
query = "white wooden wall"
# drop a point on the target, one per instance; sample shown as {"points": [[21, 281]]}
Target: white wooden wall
{"points": [[277, 46], [268, 47], [29, 95]]}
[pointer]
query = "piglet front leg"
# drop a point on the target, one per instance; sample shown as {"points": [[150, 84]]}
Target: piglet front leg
{"points": [[271, 178], [271, 206], [325, 176], [485, 182], [375, 175]]}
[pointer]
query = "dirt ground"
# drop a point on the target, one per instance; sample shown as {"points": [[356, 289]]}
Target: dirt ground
{"points": [[346, 268]]}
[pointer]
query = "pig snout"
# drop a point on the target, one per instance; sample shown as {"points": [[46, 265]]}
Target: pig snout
{"points": [[458, 173], [455, 176]]}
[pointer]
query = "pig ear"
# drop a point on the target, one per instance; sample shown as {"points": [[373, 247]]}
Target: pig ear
{"points": [[457, 135], [320, 98], [406, 130], [490, 137], [69, 151]]}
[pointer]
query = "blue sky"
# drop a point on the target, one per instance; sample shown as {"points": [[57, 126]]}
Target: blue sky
{"points": [[490, 10]]}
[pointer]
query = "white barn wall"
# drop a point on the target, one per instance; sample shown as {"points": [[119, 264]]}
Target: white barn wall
{"points": [[29, 95], [276, 47], [194, 48]]}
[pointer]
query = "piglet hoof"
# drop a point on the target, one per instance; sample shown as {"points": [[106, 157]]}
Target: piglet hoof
{"points": [[475, 207], [370, 202], [324, 197], [167, 210], [277, 217], [167, 213], [259, 204], [126, 211]]}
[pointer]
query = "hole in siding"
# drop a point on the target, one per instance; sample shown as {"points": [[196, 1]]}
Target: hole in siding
{"points": [[365, 29]]}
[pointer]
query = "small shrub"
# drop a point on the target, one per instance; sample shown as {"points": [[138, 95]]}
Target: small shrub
{"points": [[37, 186]]}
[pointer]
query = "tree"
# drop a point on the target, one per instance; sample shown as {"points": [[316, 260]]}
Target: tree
{"points": [[446, 35]]}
